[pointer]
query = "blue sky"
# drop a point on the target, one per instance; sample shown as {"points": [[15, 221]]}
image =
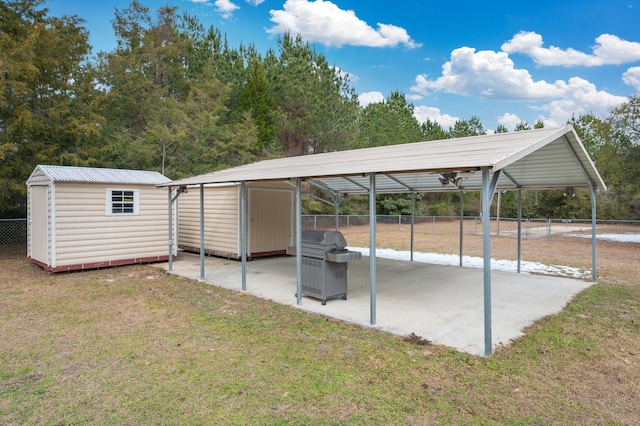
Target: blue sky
{"points": [[503, 61]]}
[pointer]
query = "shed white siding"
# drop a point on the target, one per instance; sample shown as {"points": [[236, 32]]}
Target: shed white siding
{"points": [[86, 234], [221, 218], [71, 226], [269, 213]]}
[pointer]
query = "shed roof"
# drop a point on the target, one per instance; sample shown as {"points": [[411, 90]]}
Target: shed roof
{"points": [[534, 159], [99, 175]]}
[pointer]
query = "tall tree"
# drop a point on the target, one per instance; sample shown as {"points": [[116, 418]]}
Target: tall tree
{"points": [[48, 110], [166, 108], [390, 122], [501, 128], [258, 99], [433, 131], [315, 105], [624, 122], [471, 127]]}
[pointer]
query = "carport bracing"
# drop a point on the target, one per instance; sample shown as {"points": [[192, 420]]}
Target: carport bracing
{"points": [[536, 159]]}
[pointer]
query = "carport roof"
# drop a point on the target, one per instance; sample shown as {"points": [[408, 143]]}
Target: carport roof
{"points": [[534, 159]]}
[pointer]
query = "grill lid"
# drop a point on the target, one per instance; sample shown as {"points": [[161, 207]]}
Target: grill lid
{"points": [[328, 239]]}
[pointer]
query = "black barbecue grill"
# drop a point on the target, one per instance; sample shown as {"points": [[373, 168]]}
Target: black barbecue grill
{"points": [[324, 264]]}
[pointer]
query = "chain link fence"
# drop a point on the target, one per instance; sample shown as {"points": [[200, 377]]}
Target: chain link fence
{"points": [[530, 228], [13, 232], [13, 237]]}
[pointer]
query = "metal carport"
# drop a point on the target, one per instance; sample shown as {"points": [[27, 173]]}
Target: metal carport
{"points": [[536, 159]]}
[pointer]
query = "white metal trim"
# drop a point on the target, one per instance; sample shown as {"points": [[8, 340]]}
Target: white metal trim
{"points": [[52, 243]]}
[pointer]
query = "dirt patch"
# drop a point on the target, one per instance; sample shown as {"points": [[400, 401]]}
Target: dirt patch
{"points": [[414, 339]]}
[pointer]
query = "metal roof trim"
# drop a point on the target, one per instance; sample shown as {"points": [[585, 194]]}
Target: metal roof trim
{"points": [[72, 174]]}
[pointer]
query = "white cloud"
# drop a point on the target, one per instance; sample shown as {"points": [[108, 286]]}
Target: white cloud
{"points": [[324, 22], [609, 49], [492, 75], [226, 8], [485, 74], [579, 97], [367, 98], [510, 121], [422, 113], [255, 2], [632, 77]]}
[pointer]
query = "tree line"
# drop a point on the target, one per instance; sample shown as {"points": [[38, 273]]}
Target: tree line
{"points": [[175, 97]]}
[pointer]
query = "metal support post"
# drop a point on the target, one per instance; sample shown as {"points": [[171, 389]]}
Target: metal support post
{"points": [[243, 233], [519, 231], [170, 229], [299, 241], [201, 231], [413, 222], [594, 250], [372, 247], [461, 224]]}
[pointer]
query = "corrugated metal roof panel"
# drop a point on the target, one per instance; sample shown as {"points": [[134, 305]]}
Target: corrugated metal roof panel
{"points": [[541, 158], [100, 175]]}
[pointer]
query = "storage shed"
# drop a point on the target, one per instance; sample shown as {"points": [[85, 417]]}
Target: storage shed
{"points": [[270, 229], [83, 218]]}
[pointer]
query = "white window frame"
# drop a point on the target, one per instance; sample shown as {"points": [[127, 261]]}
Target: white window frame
{"points": [[109, 204]]}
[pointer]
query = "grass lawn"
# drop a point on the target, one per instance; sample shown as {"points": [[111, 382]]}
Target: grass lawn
{"points": [[132, 345]]}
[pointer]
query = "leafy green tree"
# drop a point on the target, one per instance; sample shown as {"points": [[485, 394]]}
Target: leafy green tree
{"points": [[623, 153], [471, 127], [501, 128], [398, 204], [315, 106], [433, 131], [390, 122], [539, 124], [48, 103], [166, 109], [522, 125], [258, 99]]}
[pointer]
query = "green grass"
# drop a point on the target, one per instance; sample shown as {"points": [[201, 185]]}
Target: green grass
{"points": [[132, 345]]}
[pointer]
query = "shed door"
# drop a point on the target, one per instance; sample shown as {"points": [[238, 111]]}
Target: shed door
{"points": [[39, 229], [270, 224]]}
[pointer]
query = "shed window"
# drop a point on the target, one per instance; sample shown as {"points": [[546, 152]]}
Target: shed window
{"points": [[122, 202]]}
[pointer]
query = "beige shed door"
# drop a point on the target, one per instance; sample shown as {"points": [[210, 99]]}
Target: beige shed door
{"points": [[270, 224], [39, 232]]}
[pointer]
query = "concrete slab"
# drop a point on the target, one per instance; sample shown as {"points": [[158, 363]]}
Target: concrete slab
{"points": [[443, 304]]}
